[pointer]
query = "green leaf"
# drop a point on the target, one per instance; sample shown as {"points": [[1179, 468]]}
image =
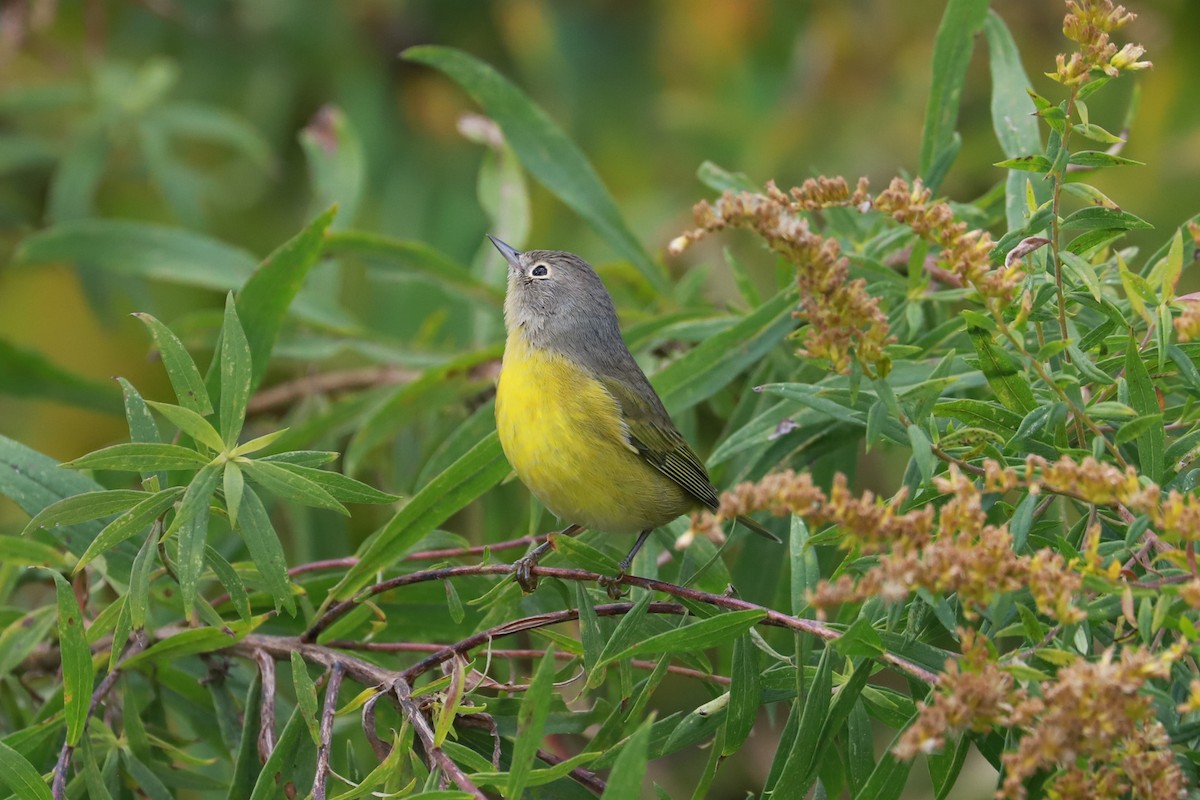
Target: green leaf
{"points": [[860, 639], [131, 523], [1095, 217], [135, 457], [22, 635], [952, 50], [583, 555], [193, 641], [887, 780], [795, 771], [262, 303], [1143, 398], [236, 374], [922, 451], [945, 767], [276, 772], [629, 770], [158, 252], [190, 423], [341, 487], [531, 723], [590, 633], [84, 507], [720, 179], [1083, 270], [745, 690], [233, 483], [27, 373], [1038, 164], [306, 696], [445, 385], [481, 468], [263, 543], [246, 764], [690, 637], [627, 628], [191, 526], [711, 365], [280, 480], [1003, 373], [19, 775], [549, 155], [413, 258], [336, 162], [76, 179], [230, 579], [1135, 428], [76, 660], [181, 370], [138, 598], [1165, 273], [1097, 158], [23, 552], [979, 413], [806, 571]]}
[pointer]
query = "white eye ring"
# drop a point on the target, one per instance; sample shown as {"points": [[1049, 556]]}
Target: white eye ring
{"points": [[540, 270]]}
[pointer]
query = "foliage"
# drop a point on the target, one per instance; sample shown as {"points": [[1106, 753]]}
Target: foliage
{"points": [[1028, 593]]}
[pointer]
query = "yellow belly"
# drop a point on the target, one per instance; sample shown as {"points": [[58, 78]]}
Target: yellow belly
{"points": [[563, 435]]}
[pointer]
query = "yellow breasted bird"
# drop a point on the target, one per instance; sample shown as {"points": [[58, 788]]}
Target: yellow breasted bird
{"points": [[577, 418]]}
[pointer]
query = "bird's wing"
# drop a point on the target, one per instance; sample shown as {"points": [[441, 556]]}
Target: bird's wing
{"points": [[655, 438]]}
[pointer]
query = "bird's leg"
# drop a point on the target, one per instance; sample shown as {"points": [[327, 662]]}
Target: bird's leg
{"points": [[523, 567], [612, 585]]}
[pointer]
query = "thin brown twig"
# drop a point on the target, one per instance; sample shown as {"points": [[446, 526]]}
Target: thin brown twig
{"points": [[499, 652], [421, 555], [771, 617], [266, 712], [327, 712], [284, 394], [434, 754], [58, 788]]}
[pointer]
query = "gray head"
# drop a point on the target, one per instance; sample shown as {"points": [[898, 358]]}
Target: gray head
{"points": [[557, 300]]}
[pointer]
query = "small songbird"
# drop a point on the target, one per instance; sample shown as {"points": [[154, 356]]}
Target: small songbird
{"points": [[577, 418]]}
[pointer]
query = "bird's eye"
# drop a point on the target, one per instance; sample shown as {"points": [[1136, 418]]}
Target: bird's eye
{"points": [[540, 271]]}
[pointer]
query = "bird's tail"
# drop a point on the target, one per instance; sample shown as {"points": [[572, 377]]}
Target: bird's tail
{"points": [[759, 529]]}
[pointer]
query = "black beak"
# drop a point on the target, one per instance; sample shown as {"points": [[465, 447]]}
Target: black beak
{"points": [[511, 254]]}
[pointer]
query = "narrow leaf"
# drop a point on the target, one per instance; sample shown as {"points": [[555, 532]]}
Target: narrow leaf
{"points": [[236, 374], [192, 424], [131, 523], [76, 660], [181, 370], [135, 457], [531, 721], [545, 150], [263, 543], [263, 301]]}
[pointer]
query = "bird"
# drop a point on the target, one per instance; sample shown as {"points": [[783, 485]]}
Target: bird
{"points": [[577, 418]]}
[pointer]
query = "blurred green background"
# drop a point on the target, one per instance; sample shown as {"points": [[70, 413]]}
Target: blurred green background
{"points": [[191, 114], [777, 90]]}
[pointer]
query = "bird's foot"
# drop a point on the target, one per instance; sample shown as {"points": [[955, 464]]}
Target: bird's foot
{"points": [[523, 572], [613, 586]]}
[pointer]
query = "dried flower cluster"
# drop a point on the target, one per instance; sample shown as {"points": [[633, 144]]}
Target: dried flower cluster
{"points": [[1187, 324], [1094, 723], [1091, 727], [952, 550], [974, 693], [844, 320], [964, 252], [1088, 23], [1175, 516]]}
